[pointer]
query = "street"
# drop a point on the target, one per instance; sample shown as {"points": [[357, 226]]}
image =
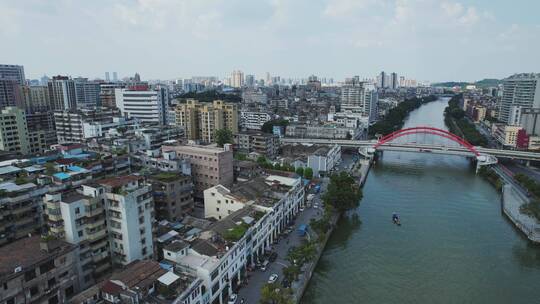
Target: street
{"points": [[257, 278]]}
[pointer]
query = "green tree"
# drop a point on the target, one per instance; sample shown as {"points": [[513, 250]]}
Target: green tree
{"points": [[300, 171], [274, 294], [343, 193], [224, 136], [308, 173], [291, 273]]}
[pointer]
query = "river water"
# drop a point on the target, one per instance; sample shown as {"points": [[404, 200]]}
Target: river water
{"points": [[454, 245]]}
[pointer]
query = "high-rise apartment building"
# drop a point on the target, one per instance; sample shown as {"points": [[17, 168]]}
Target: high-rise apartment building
{"points": [[382, 80], [14, 131], [394, 84], [148, 106], [360, 97], [237, 79], [87, 93], [519, 91], [13, 72], [62, 93], [201, 120], [250, 81], [36, 98], [10, 95], [41, 131]]}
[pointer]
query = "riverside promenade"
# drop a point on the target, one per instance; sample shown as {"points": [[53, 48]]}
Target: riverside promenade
{"points": [[512, 200]]}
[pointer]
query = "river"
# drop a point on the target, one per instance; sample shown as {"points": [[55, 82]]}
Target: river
{"points": [[454, 245]]}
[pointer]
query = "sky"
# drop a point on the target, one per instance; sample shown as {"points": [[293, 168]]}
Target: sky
{"points": [[434, 40]]}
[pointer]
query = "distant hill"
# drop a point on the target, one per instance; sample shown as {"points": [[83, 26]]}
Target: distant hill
{"points": [[484, 83]]}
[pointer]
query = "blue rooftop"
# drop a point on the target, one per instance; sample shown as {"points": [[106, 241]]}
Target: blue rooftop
{"points": [[75, 168], [62, 175]]}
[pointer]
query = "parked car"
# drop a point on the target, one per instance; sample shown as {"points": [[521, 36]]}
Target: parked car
{"points": [[233, 298], [272, 257], [273, 278]]}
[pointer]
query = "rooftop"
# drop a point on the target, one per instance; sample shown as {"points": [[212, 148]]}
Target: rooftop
{"points": [[139, 274], [72, 196], [195, 149], [119, 181], [167, 177], [26, 253]]}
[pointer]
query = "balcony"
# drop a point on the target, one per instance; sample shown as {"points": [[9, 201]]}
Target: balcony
{"points": [[93, 236], [100, 256]]}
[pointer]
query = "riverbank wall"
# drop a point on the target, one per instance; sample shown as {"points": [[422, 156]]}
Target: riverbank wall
{"points": [[308, 270], [512, 200], [361, 171]]}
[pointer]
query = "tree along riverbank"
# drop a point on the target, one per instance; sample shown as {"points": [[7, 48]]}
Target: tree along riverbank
{"points": [[395, 118], [457, 123]]}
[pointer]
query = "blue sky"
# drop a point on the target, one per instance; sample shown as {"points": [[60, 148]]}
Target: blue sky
{"points": [[423, 39]]}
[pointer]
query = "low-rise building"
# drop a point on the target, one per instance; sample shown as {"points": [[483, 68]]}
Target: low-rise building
{"points": [[328, 131], [147, 282], [258, 142], [253, 120], [221, 254], [506, 135], [324, 160], [35, 270]]}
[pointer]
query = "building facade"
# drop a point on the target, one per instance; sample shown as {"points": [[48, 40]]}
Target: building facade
{"points": [[38, 271], [62, 93], [210, 166], [148, 106], [519, 90], [14, 131], [258, 142], [201, 120]]}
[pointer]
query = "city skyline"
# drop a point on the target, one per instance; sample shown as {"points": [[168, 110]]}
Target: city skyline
{"points": [[464, 41]]}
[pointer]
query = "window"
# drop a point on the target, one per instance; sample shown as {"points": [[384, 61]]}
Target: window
{"points": [[46, 267], [11, 301], [217, 209], [53, 300], [51, 283], [77, 210], [29, 275], [34, 290], [69, 291], [80, 233]]}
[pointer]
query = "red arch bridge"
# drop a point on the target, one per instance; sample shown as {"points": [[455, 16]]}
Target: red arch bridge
{"points": [[422, 139]]}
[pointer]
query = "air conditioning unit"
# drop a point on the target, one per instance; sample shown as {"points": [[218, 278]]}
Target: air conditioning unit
{"points": [[18, 269]]}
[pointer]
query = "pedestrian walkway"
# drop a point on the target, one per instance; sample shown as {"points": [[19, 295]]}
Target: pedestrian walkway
{"points": [[512, 202]]}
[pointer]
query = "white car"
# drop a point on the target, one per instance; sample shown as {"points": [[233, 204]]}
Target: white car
{"points": [[301, 209], [233, 298], [273, 278]]}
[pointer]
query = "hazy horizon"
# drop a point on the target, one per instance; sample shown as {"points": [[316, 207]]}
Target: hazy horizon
{"points": [[427, 40]]}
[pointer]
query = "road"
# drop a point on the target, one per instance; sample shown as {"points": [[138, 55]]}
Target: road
{"points": [[256, 279]]}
